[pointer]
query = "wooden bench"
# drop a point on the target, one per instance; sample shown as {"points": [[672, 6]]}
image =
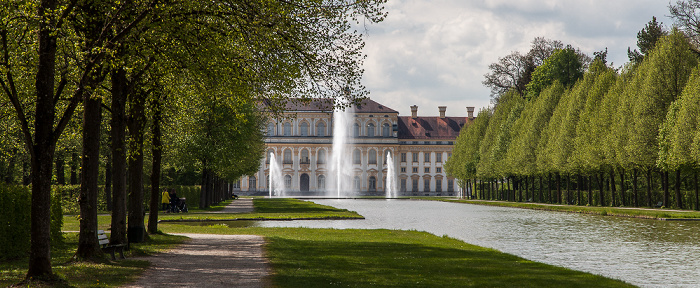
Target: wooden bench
{"points": [[107, 248]]}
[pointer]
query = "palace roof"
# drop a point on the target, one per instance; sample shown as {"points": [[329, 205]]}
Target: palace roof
{"points": [[325, 105], [431, 127]]}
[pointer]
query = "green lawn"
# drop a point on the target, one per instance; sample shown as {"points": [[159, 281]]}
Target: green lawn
{"points": [[605, 211], [303, 257]]}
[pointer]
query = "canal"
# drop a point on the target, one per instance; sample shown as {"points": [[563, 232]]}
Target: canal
{"points": [[647, 253]]}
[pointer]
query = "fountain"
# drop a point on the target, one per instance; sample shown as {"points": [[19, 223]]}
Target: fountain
{"points": [[341, 165], [390, 177], [276, 182]]}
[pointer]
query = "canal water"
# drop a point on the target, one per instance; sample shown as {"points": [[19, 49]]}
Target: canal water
{"points": [[647, 253]]}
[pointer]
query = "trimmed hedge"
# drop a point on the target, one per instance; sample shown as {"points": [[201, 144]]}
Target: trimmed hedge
{"points": [[15, 221], [69, 195]]}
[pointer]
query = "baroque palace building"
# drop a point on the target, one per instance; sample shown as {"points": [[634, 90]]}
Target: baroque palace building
{"points": [[302, 139]]}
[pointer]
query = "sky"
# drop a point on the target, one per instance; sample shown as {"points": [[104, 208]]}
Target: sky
{"points": [[434, 53]]}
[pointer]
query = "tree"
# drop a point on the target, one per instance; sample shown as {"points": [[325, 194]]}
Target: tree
{"points": [[564, 66], [465, 155], [646, 40], [687, 18]]}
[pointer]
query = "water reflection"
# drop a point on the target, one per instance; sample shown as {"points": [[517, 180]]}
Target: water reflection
{"points": [[647, 253]]}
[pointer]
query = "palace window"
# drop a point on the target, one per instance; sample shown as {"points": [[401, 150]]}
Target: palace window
{"points": [[403, 185], [287, 129], [414, 170], [426, 157], [403, 157], [426, 185], [270, 129], [355, 130], [415, 156], [321, 129], [321, 156], [252, 184], [287, 181], [415, 185], [356, 183], [370, 130], [287, 156], [426, 170], [356, 157], [372, 183], [386, 130], [321, 182], [304, 157], [270, 151], [438, 169], [403, 169], [438, 157], [304, 129], [450, 185], [372, 156], [438, 185]]}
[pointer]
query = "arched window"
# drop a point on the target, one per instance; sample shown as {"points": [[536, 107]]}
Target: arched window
{"points": [[287, 129], [288, 156], [321, 157], [370, 130], [372, 183], [270, 129], [269, 151], [372, 156], [356, 183], [321, 182], [356, 157], [304, 129], [386, 130], [304, 157], [252, 184], [287, 181], [356, 130], [321, 129], [386, 156]]}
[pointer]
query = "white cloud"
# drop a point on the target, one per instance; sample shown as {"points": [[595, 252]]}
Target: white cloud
{"points": [[435, 53]]}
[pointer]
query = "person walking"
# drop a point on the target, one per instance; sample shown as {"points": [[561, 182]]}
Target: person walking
{"points": [[165, 201]]}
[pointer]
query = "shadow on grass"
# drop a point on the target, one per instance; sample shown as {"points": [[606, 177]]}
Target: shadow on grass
{"points": [[386, 263]]}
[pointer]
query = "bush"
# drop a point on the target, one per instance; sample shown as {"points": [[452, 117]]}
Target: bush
{"points": [[15, 221]]}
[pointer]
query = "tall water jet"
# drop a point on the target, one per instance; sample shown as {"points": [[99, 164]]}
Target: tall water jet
{"points": [[341, 165], [390, 177], [276, 181]]}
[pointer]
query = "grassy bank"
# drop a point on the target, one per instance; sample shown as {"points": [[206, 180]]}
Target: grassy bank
{"points": [[87, 274], [661, 214], [265, 209], [303, 257]]}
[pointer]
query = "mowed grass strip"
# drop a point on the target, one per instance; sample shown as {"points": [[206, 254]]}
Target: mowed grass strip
{"points": [[89, 274], [303, 257], [271, 209], [646, 213], [265, 209]]}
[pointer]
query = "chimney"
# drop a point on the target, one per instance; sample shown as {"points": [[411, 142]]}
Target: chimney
{"points": [[414, 111], [470, 112], [442, 111]]}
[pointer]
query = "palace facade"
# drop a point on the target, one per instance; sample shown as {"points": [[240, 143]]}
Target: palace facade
{"points": [[302, 141]]}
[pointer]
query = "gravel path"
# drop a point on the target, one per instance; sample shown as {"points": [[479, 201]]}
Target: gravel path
{"points": [[211, 261]]}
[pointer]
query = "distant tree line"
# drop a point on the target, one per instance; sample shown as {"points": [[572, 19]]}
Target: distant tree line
{"points": [[589, 134]]}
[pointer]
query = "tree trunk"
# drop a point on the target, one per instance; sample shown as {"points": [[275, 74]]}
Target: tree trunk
{"points": [[697, 195], [205, 183], [108, 182], [649, 182], [118, 136], [623, 188], [156, 165], [601, 187], [679, 197], [527, 189], [540, 190], [589, 184], [558, 180], [74, 168], [88, 247], [634, 187], [613, 188], [665, 185], [135, 123], [579, 200], [43, 147]]}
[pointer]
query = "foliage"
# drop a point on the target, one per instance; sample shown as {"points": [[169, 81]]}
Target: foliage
{"points": [[564, 66], [676, 143], [646, 40], [494, 145], [465, 156]]}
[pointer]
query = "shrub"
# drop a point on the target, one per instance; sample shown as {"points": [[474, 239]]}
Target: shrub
{"points": [[15, 221]]}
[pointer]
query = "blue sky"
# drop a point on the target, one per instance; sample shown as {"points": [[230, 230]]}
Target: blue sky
{"points": [[435, 53]]}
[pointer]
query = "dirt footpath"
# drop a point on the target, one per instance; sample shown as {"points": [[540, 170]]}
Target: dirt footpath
{"points": [[211, 260]]}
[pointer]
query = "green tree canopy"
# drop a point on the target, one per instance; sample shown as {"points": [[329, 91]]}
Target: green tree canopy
{"points": [[564, 66]]}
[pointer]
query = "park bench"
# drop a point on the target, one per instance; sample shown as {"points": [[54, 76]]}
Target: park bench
{"points": [[107, 248]]}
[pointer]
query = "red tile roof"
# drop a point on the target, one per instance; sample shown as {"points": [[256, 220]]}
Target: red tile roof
{"points": [[326, 105], [431, 127]]}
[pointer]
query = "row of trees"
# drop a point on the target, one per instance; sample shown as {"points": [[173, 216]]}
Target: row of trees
{"points": [[111, 79], [592, 128]]}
